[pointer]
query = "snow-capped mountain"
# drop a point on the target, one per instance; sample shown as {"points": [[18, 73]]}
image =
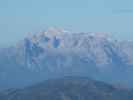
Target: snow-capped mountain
{"points": [[57, 52], [96, 47]]}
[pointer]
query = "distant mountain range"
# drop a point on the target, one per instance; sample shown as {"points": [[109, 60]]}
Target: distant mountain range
{"points": [[56, 53], [68, 88]]}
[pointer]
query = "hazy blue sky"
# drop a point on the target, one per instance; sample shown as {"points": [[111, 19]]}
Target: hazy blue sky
{"points": [[17, 17]]}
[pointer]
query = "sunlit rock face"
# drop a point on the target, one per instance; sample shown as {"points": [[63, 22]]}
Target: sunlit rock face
{"points": [[57, 52]]}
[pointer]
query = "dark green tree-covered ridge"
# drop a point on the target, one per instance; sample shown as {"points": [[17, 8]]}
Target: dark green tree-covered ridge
{"points": [[68, 88]]}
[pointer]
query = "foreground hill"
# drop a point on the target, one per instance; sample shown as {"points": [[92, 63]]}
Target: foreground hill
{"points": [[68, 88]]}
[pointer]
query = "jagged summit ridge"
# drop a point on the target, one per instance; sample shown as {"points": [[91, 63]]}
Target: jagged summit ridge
{"points": [[66, 38], [59, 32]]}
